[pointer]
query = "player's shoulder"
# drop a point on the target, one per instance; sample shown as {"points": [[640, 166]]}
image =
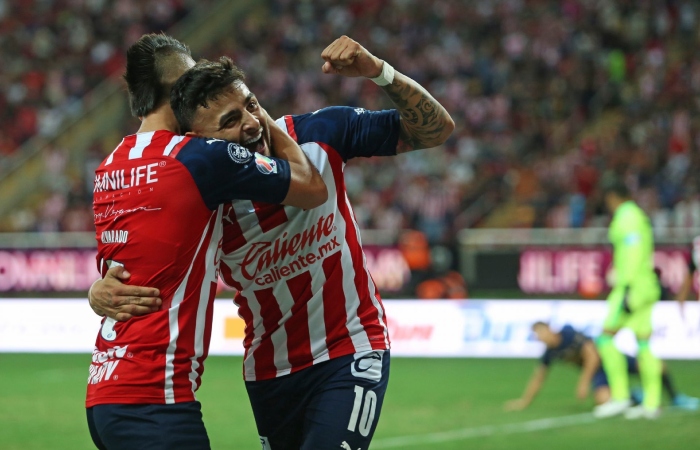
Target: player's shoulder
{"points": [[324, 121], [568, 329], [134, 149], [201, 146]]}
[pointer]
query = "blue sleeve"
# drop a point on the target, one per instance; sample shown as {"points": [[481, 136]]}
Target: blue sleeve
{"points": [[352, 132], [546, 358], [567, 336], [224, 171]]}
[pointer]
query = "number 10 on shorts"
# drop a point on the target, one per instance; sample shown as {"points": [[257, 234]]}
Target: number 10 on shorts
{"points": [[367, 408]]}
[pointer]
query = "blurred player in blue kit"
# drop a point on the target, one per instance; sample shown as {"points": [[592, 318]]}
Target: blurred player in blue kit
{"points": [[576, 348]]}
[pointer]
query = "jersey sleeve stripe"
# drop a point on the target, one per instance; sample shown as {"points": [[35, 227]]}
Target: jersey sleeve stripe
{"points": [[142, 141], [289, 121], [171, 145], [179, 146]]}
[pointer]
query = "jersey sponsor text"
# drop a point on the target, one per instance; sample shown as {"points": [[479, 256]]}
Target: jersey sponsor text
{"points": [[105, 363], [121, 179]]}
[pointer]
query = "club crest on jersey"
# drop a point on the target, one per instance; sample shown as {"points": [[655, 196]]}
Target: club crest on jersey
{"points": [[238, 153], [265, 164]]}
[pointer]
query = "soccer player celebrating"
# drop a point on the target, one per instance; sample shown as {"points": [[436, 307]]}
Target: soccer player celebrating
{"points": [[636, 290], [158, 212], [317, 347], [576, 348]]}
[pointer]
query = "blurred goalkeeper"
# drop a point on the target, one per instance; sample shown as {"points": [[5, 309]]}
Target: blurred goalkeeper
{"points": [[576, 348], [630, 303]]}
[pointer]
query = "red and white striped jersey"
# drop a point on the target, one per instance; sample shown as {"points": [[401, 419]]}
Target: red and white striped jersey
{"points": [[158, 213], [304, 289]]}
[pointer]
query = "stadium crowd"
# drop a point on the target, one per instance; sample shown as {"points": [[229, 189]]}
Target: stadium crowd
{"points": [[550, 97]]}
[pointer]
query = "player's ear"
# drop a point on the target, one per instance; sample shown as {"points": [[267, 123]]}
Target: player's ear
{"points": [[191, 134]]}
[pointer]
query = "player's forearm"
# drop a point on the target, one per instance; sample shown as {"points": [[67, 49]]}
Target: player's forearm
{"points": [[533, 386], [587, 373], [307, 188], [284, 147], [425, 123], [531, 391], [591, 362]]}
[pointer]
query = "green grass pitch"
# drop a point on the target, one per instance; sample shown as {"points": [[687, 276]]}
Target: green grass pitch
{"points": [[41, 407]]}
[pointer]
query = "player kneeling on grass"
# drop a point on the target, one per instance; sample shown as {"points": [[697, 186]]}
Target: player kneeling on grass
{"points": [[576, 348]]}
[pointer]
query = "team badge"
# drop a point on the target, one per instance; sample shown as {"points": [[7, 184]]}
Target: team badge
{"points": [[265, 164], [238, 153]]}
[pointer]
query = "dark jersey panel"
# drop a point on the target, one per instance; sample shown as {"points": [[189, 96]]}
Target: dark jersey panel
{"points": [[570, 349], [224, 171], [352, 132]]}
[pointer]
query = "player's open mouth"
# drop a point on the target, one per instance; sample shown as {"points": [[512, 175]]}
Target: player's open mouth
{"points": [[256, 144]]}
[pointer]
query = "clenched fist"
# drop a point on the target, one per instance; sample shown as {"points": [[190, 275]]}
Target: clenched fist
{"points": [[348, 58]]}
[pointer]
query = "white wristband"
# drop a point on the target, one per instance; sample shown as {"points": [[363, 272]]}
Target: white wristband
{"points": [[387, 75]]}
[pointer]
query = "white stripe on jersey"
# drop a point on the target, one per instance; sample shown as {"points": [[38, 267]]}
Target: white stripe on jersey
{"points": [[316, 320], [175, 326], [279, 341], [142, 141], [279, 337], [111, 155], [210, 276], [249, 361], [370, 282], [171, 145]]}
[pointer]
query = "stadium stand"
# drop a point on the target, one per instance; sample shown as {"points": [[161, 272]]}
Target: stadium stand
{"points": [[550, 97]]}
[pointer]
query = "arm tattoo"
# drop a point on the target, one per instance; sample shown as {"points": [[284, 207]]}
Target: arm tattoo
{"points": [[424, 121]]}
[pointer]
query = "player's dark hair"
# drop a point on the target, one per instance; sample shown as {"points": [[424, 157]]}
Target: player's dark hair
{"points": [[539, 324], [201, 84], [616, 186], [153, 64]]}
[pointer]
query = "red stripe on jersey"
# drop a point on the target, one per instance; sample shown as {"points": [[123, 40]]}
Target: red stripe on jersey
{"points": [[182, 386], [207, 332], [290, 127], [179, 146], [233, 233], [367, 312], [335, 317], [265, 353], [246, 314], [297, 327], [244, 311], [269, 216]]}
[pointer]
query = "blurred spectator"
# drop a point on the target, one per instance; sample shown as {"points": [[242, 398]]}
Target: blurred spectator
{"points": [[55, 51], [549, 96]]}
